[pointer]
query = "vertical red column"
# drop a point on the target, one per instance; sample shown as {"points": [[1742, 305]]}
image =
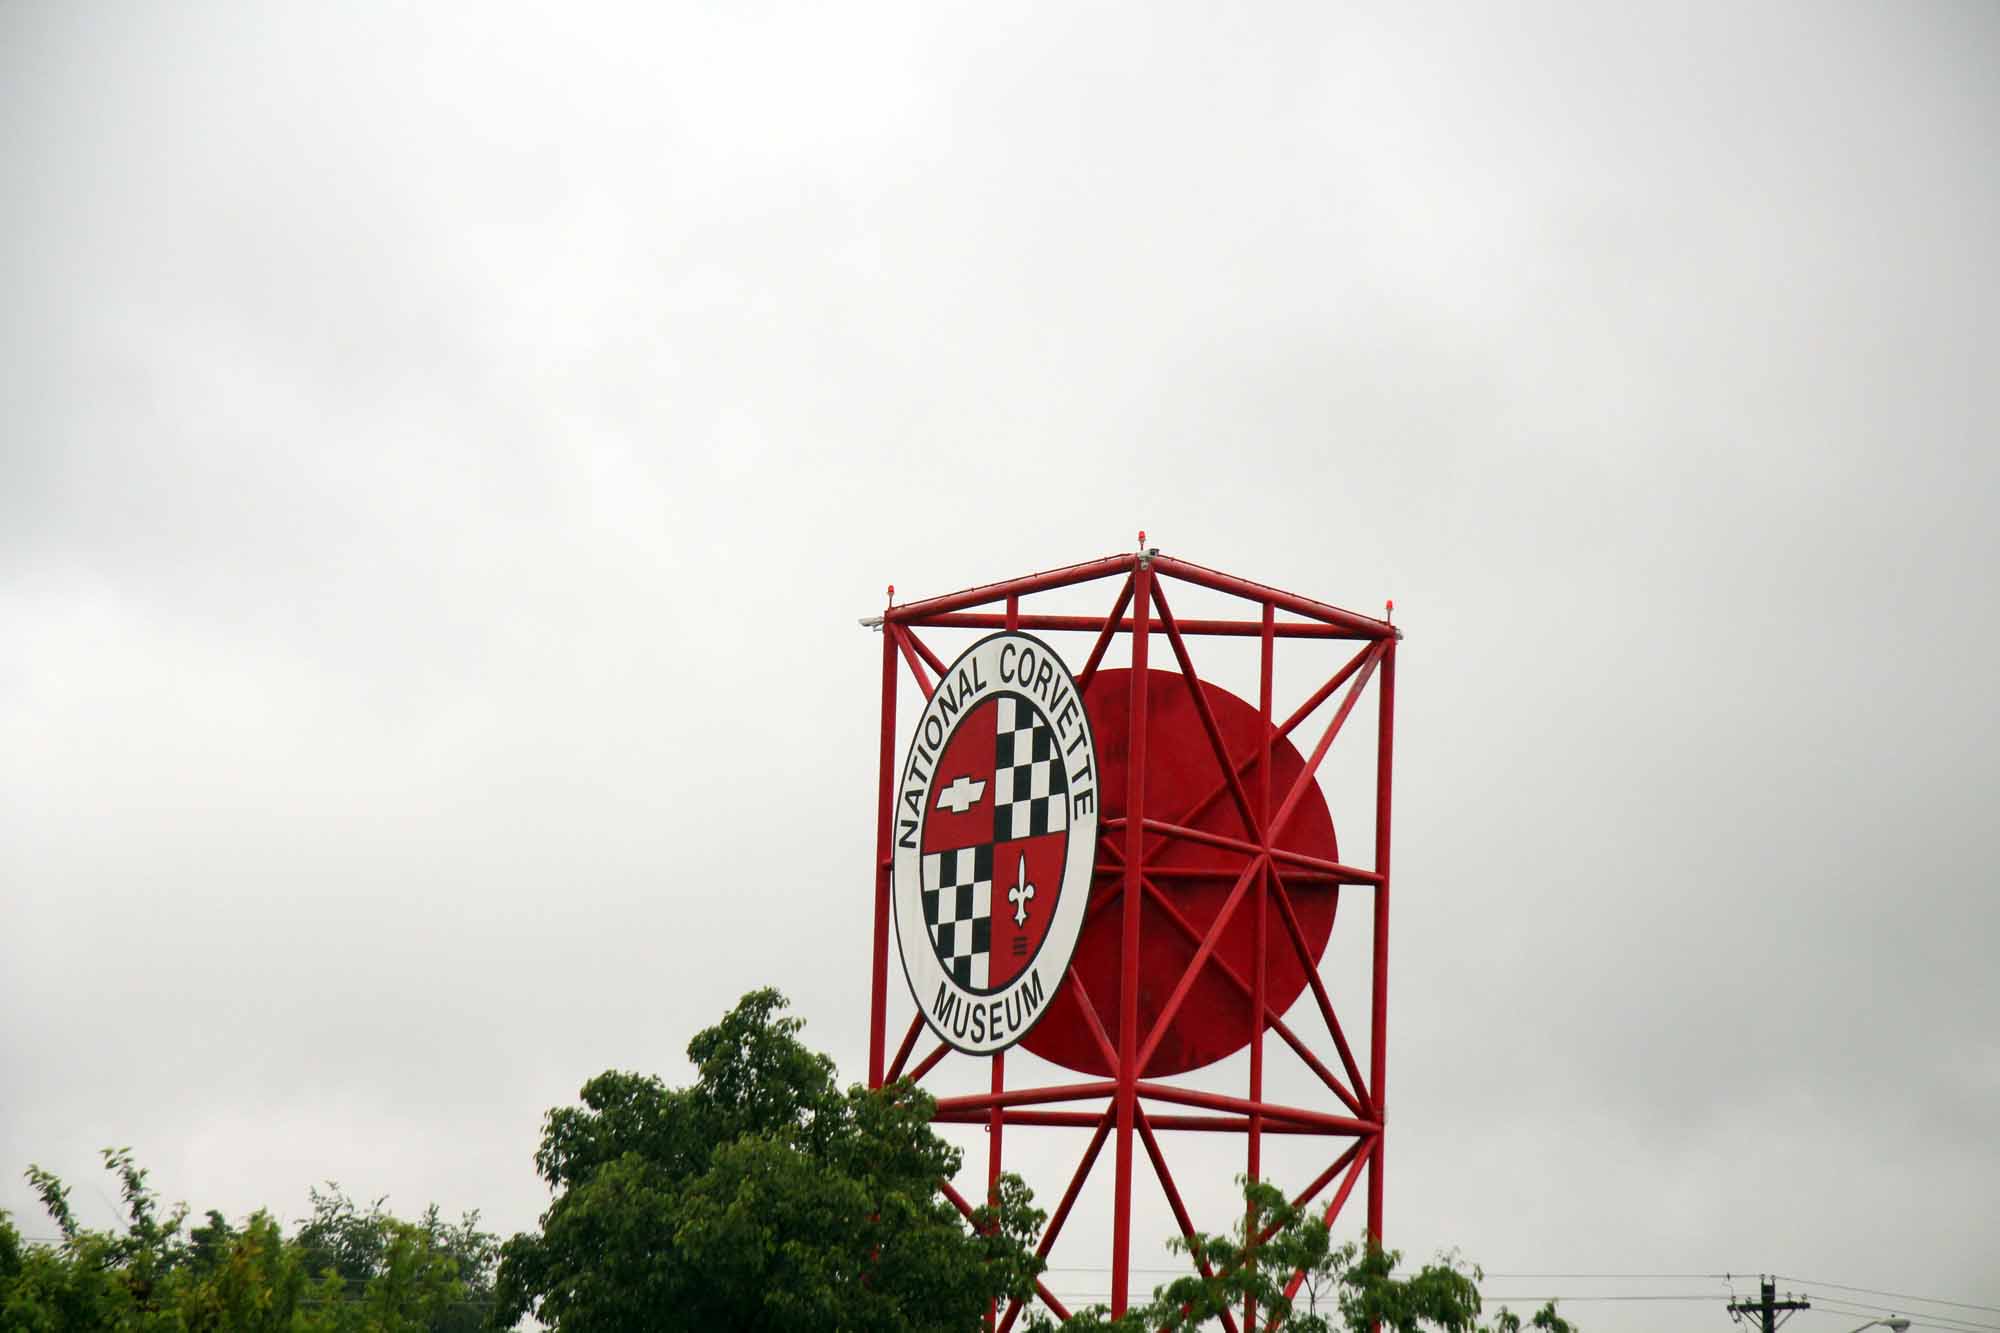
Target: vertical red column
{"points": [[1378, 1031], [885, 834], [1254, 1166], [995, 1119], [1128, 955]]}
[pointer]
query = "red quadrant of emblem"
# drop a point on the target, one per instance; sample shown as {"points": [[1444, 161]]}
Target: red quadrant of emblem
{"points": [[961, 796], [1038, 862]]}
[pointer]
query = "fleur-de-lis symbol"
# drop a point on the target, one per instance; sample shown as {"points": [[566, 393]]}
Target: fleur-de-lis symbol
{"points": [[1021, 892]]}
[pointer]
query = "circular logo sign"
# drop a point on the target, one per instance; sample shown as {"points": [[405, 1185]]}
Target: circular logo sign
{"points": [[996, 833]]}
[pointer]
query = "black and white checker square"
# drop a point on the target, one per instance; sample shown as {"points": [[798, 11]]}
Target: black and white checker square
{"points": [[1030, 788], [958, 908]]}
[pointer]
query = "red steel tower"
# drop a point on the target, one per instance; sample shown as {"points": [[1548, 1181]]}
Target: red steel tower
{"points": [[1212, 897]]}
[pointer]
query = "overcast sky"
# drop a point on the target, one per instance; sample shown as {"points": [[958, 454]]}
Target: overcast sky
{"points": [[445, 451]]}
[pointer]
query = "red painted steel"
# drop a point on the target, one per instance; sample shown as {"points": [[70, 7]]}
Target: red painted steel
{"points": [[1212, 902], [1242, 629], [1217, 1017], [917, 645], [1181, 1218], [885, 832], [1378, 1037], [1259, 969], [907, 643], [996, 1121], [1101, 1128], [1137, 689], [915, 612], [1272, 1118], [1365, 627]]}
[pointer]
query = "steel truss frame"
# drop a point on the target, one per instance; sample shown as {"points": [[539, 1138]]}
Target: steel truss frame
{"points": [[1127, 1109]]}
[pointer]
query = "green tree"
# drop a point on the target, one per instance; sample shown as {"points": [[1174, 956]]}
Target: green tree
{"points": [[761, 1197], [348, 1272], [382, 1259], [1348, 1288]]}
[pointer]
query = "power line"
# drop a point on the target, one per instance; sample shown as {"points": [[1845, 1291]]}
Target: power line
{"points": [[1891, 1309], [1619, 1277], [1899, 1295], [1875, 1315], [1915, 1323], [1929, 1320], [1607, 1277], [1489, 1297]]}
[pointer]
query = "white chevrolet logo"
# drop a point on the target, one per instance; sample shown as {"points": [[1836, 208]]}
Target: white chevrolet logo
{"points": [[961, 795]]}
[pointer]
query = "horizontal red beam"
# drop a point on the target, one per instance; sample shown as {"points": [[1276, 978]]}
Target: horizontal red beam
{"points": [[915, 612], [1244, 629], [1339, 873], [1067, 1092], [1364, 627], [1186, 833], [1333, 870], [1229, 873], [1352, 625], [1214, 1124], [1215, 1101]]}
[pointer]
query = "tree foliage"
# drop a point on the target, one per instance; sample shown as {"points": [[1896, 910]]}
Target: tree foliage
{"points": [[346, 1271], [1348, 1288], [761, 1197]]}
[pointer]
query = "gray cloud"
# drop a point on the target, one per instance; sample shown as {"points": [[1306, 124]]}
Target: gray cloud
{"points": [[445, 454]]}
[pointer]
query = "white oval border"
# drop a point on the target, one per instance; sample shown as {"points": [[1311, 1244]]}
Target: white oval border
{"points": [[930, 986]]}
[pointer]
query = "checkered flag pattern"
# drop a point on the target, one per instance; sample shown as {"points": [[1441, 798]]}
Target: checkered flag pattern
{"points": [[958, 908], [1031, 791]]}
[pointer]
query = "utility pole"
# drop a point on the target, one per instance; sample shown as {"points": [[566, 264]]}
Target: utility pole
{"points": [[1768, 1306]]}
